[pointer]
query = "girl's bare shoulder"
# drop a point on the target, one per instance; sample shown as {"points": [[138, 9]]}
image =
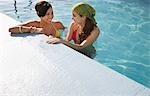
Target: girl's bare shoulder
{"points": [[96, 29], [34, 23], [58, 24]]}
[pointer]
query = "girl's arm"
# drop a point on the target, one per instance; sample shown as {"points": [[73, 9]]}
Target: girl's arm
{"points": [[26, 27], [89, 41]]}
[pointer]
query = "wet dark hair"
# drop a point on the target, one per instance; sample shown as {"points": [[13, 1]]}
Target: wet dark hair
{"points": [[89, 26], [42, 7]]}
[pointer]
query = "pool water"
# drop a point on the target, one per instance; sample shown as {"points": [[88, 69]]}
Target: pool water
{"points": [[124, 42]]}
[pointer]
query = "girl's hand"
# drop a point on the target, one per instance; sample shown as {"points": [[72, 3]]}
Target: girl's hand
{"points": [[54, 41], [39, 30], [50, 37], [36, 30]]}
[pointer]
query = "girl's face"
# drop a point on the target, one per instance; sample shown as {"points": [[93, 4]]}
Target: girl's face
{"points": [[48, 16], [77, 18]]}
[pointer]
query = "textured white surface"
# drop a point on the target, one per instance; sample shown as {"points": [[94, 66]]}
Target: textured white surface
{"points": [[31, 67]]}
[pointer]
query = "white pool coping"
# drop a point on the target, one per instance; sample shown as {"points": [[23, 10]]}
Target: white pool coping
{"points": [[31, 67]]}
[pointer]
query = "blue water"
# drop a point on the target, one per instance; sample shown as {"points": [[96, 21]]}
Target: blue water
{"points": [[124, 43]]}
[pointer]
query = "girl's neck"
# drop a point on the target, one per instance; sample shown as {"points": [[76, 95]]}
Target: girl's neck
{"points": [[43, 23]]}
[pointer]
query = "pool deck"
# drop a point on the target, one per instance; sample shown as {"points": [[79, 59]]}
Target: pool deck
{"points": [[31, 67]]}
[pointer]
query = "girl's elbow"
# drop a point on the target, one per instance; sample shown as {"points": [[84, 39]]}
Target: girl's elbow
{"points": [[79, 47], [10, 29], [13, 30]]}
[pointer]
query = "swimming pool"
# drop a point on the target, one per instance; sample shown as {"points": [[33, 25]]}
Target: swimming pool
{"points": [[124, 41]]}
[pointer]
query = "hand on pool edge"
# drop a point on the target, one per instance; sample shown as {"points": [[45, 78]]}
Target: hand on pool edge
{"points": [[54, 41]]}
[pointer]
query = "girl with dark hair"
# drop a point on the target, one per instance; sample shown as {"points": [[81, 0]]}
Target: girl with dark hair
{"points": [[45, 25], [83, 30]]}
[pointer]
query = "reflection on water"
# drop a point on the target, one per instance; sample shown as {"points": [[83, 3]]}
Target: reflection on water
{"points": [[29, 5], [16, 8], [15, 5]]}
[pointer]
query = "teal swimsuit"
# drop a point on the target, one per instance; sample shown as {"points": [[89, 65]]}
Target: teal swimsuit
{"points": [[89, 51]]}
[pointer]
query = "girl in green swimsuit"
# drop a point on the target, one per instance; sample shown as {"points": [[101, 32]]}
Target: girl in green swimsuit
{"points": [[83, 31]]}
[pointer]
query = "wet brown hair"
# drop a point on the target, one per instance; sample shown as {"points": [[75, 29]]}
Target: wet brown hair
{"points": [[89, 26], [42, 7]]}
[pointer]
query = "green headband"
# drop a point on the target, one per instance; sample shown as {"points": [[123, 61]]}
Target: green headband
{"points": [[85, 9]]}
